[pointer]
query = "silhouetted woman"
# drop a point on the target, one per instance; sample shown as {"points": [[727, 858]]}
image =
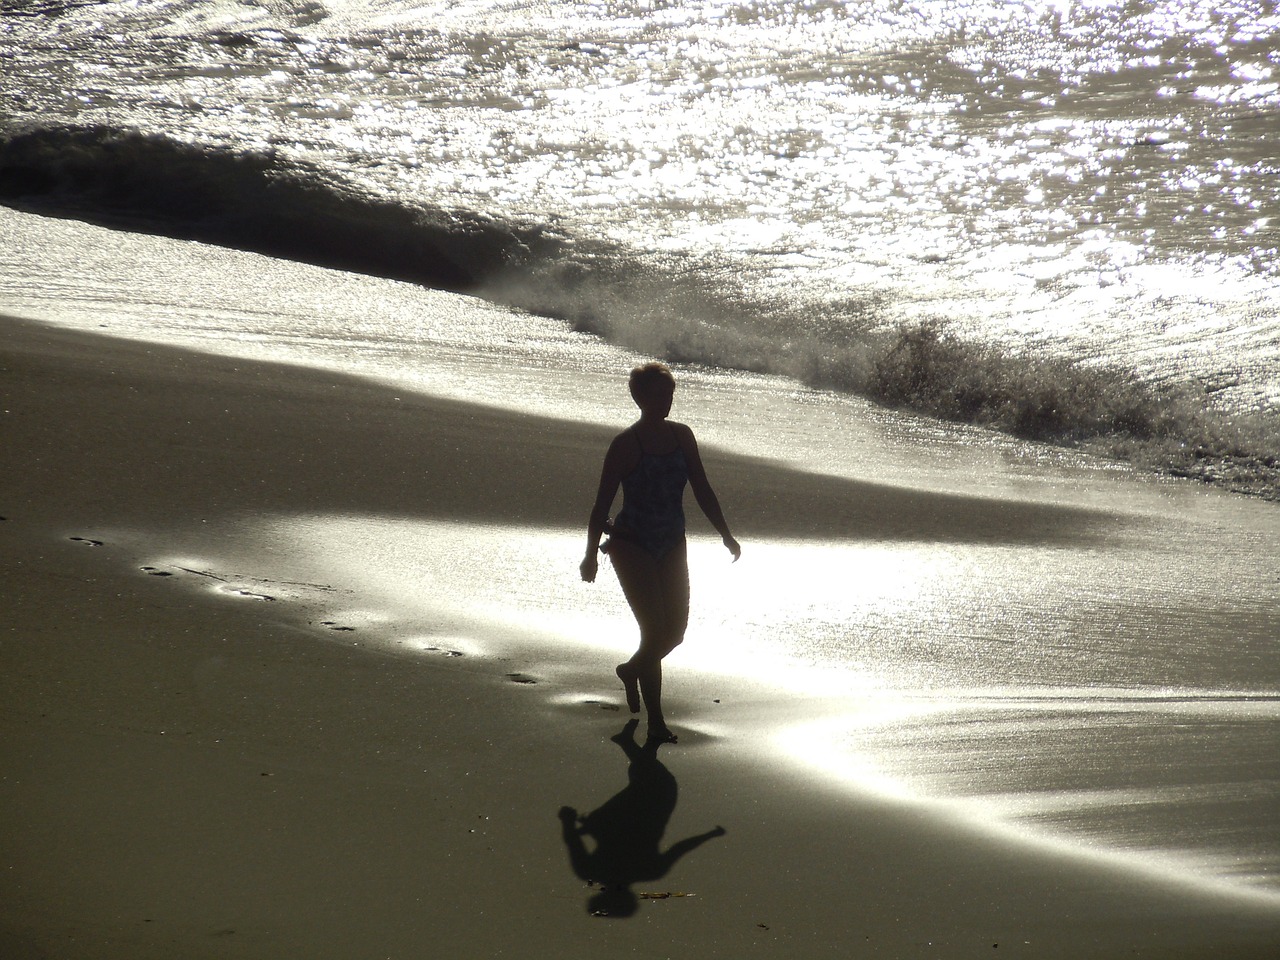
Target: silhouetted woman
{"points": [[652, 460]]}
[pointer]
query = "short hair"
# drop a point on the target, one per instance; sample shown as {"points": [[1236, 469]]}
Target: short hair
{"points": [[645, 378]]}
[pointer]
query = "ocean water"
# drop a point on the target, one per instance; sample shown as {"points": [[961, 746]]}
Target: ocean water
{"points": [[769, 194], [1085, 194]]}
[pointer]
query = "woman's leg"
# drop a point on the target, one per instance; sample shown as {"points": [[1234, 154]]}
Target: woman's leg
{"points": [[658, 593], [637, 571]]}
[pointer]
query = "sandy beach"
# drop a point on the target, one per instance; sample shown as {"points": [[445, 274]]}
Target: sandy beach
{"points": [[193, 773]]}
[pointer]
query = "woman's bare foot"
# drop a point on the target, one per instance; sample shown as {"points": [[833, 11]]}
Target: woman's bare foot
{"points": [[626, 673], [659, 732]]}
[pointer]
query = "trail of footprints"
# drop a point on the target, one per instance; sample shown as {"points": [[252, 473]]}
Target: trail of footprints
{"points": [[229, 586]]}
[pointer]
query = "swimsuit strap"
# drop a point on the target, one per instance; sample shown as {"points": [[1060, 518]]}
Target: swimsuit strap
{"points": [[645, 453]]}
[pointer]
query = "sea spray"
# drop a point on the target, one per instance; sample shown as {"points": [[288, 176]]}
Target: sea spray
{"points": [[1173, 428], [694, 312]]}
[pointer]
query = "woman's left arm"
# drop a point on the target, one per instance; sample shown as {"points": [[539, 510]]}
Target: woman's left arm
{"points": [[702, 490]]}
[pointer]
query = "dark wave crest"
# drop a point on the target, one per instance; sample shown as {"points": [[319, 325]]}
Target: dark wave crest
{"points": [[252, 201], [45, 8]]}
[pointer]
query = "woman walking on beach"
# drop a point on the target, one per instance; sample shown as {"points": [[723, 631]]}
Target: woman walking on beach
{"points": [[651, 460]]}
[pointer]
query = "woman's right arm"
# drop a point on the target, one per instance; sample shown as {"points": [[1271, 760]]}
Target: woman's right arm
{"points": [[610, 480]]}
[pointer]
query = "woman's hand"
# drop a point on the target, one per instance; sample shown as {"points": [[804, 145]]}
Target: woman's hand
{"points": [[589, 567], [733, 547]]}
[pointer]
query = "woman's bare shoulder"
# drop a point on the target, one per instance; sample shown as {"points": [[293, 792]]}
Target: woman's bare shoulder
{"points": [[623, 436], [684, 436], [682, 430], [623, 452]]}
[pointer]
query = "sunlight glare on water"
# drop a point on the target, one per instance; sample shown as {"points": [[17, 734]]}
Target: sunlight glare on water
{"points": [[1009, 168]]}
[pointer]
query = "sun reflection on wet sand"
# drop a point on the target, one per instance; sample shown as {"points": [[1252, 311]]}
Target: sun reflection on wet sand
{"points": [[1069, 692], [1170, 781]]}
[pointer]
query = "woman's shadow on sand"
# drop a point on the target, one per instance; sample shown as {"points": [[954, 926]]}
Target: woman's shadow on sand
{"points": [[627, 830]]}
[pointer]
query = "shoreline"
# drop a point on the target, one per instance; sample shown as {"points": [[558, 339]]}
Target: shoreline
{"points": [[206, 776], [337, 465]]}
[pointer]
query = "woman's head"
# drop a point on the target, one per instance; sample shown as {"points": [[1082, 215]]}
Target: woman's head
{"points": [[652, 384]]}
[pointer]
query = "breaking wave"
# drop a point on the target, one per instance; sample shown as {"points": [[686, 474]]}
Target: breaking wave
{"points": [[698, 314], [251, 200]]}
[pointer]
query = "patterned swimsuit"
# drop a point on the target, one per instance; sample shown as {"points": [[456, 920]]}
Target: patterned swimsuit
{"points": [[652, 514]]}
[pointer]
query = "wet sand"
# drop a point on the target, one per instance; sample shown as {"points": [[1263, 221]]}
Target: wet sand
{"points": [[194, 774]]}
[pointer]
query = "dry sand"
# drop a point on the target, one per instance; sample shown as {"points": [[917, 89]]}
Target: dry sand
{"points": [[188, 776]]}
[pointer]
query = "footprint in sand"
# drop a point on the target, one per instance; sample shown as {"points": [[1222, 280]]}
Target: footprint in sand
{"points": [[335, 626], [447, 653], [250, 595], [234, 591], [602, 705], [520, 678], [86, 541]]}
